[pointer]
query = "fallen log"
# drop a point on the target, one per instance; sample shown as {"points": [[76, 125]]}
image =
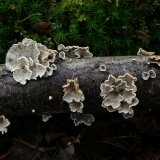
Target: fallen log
{"points": [[17, 99]]}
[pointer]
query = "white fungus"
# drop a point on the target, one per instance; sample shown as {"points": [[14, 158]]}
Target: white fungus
{"points": [[74, 51], [149, 74], [29, 60], [119, 94], [73, 95], [155, 59], [4, 123], [142, 52], [79, 118]]}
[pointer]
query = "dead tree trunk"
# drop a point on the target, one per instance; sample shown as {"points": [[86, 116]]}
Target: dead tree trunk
{"points": [[17, 99]]}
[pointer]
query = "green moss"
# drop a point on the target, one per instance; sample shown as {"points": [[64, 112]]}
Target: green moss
{"points": [[108, 28]]}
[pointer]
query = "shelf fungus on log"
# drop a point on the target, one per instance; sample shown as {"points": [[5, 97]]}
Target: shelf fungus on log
{"points": [[73, 95], [79, 118], [119, 94], [74, 51], [29, 60]]}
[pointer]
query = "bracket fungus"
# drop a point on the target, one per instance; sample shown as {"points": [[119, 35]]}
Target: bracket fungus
{"points": [[149, 74], [79, 118], [74, 51], [73, 95], [142, 52], [4, 123], [29, 60], [155, 59], [119, 94]]}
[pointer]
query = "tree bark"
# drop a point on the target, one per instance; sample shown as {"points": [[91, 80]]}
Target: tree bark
{"points": [[17, 99]]}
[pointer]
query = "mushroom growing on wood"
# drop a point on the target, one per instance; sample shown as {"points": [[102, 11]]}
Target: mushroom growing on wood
{"points": [[74, 51], [29, 60], [119, 94], [73, 95], [142, 52], [79, 118]]}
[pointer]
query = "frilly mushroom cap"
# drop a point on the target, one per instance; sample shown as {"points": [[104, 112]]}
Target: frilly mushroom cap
{"points": [[62, 55], [149, 74], [119, 94], [105, 89], [26, 41], [43, 56], [112, 99], [127, 107], [20, 63], [79, 118], [83, 52], [145, 75], [21, 70], [72, 85], [130, 80], [30, 60], [72, 91], [154, 59], [19, 50], [128, 95], [76, 106], [111, 79], [4, 123], [22, 74], [73, 96], [37, 70]]}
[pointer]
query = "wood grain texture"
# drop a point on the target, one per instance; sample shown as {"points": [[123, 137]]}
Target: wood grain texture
{"points": [[17, 99]]}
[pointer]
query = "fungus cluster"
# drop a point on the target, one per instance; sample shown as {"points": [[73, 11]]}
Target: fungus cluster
{"points": [[119, 94], [73, 51], [4, 123], [73, 95], [87, 119], [149, 74], [30, 60]]}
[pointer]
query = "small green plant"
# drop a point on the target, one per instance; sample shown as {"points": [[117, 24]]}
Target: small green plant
{"points": [[108, 27]]}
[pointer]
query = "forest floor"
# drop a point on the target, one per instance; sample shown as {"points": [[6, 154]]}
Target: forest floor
{"points": [[109, 138]]}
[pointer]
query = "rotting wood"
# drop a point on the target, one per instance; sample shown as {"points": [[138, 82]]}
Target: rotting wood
{"points": [[17, 99]]}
